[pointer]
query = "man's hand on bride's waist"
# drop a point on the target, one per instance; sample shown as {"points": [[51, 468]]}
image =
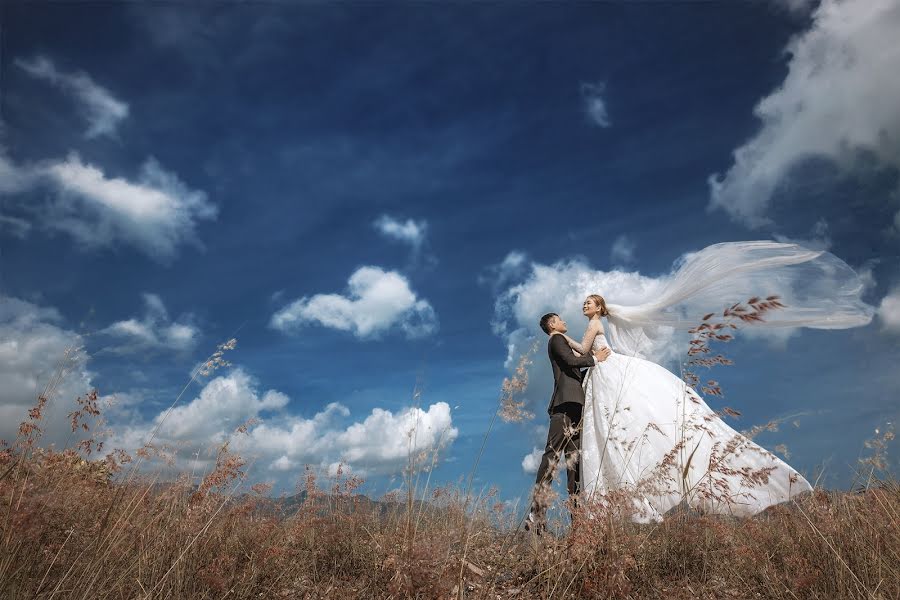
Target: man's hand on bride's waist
{"points": [[602, 354]]}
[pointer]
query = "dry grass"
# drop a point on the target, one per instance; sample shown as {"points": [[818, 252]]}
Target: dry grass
{"points": [[69, 532], [78, 526]]}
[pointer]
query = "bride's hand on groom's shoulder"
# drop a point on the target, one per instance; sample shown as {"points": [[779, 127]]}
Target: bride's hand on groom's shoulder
{"points": [[575, 346]]}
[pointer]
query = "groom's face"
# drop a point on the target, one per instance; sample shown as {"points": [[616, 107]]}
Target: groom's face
{"points": [[558, 324]]}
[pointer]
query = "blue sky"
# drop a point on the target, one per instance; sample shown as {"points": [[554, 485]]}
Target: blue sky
{"points": [[174, 176]]}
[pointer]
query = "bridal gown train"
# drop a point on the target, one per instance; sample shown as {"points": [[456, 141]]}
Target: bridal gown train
{"points": [[645, 432]]}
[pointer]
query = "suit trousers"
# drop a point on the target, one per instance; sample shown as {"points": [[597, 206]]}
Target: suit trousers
{"points": [[564, 436]]}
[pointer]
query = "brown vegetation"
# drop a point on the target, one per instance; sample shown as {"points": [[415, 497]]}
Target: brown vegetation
{"points": [[68, 532], [76, 526]]}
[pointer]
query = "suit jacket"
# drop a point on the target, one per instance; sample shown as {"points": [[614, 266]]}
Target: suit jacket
{"points": [[566, 372]]}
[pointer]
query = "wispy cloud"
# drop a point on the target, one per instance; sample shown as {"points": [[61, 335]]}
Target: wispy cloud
{"points": [[409, 231], [376, 301], [622, 251], [13, 178], [840, 96], [16, 227], [102, 110], [153, 331], [156, 213], [817, 240], [513, 267], [594, 103]]}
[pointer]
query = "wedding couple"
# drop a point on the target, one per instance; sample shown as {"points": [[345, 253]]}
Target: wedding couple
{"points": [[635, 437]]}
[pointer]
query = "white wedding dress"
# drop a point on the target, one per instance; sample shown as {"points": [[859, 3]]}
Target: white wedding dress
{"points": [[649, 442], [649, 436]]}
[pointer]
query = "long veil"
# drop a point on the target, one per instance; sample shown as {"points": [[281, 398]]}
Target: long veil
{"points": [[818, 289]]}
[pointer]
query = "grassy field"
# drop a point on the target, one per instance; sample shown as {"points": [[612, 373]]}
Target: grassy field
{"points": [[86, 523], [78, 528]]}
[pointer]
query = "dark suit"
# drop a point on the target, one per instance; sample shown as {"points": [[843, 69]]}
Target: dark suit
{"points": [[567, 374], [565, 416]]}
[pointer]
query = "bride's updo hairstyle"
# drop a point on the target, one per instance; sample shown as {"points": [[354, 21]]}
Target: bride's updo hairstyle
{"points": [[599, 301]]}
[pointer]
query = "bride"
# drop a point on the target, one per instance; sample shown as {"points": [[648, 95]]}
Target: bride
{"points": [[647, 436]]}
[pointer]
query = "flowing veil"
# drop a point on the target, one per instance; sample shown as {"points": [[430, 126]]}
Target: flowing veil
{"points": [[818, 289]]}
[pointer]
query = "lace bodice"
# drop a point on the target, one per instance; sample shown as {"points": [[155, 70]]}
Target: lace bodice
{"points": [[600, 342]]}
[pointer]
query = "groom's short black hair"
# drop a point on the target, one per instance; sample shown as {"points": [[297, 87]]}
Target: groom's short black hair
{"points": [[545, 322]]}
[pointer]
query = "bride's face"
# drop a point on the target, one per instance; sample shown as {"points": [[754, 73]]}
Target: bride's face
{"points": [[589, 308]]}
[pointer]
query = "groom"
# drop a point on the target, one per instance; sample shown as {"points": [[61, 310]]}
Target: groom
{"points": [[565, 415]]}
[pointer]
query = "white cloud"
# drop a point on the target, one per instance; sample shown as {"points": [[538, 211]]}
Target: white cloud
{"points": [[840, 96], [623, 250], [532, 461], [889, 311], [124, 406], [17, 227], [376, 301], [102, 110], [157, 213], [383, 442], [385, 439], [594, 104], [33, 347], [283, 463], [513, 267], [513, 262], [154, 331], [410, 232], [223, 404], [867, 276], [33, 343]]}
